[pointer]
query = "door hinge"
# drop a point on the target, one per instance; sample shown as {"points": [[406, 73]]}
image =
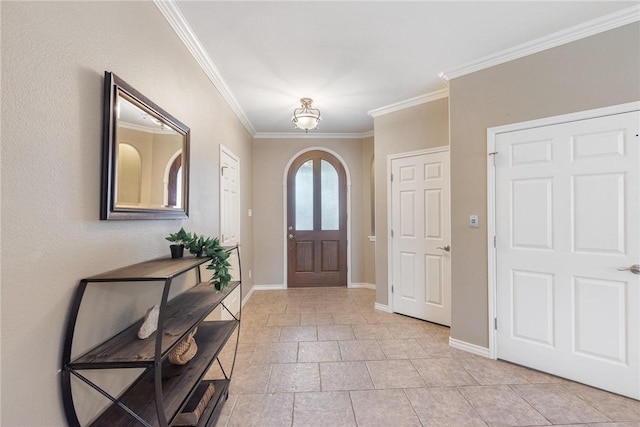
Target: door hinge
{"points": [[495, 323], [494, 241], [493, 155], [391, 288], [391, 177], [391, 233]]}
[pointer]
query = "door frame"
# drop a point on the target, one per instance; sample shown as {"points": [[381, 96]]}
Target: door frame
{"points": [[492, 134], [390, 157], [285, 193]]}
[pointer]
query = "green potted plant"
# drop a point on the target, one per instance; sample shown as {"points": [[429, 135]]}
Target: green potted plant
{"points": [[219, 264], [179, 240], [197, 245], [202, 246]]}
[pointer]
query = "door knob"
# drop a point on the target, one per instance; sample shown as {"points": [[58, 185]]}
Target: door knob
{"points": [[446, 248], [635, 269], [291, 236]]}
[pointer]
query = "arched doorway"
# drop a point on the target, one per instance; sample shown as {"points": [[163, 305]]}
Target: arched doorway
{"points": [[316, 221], [174, 190], [129, 186]]}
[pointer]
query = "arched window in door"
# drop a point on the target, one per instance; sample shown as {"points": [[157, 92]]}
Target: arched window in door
{"points": [[316, 216]]}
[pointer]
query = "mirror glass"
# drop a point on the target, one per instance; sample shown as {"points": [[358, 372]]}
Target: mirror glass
{"points": [[146, 157]]}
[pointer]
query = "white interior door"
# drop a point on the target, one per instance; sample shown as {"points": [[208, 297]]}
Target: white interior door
{"points": [[567, 221], [420, 251], [229, 222], [229, 198]]}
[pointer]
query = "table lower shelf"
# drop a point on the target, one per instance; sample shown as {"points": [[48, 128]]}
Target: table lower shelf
{"points": [[177, 381], [214, 406], [212, 412]]}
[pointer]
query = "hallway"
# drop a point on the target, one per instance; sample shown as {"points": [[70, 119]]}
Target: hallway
{"points": [[326, 357]]}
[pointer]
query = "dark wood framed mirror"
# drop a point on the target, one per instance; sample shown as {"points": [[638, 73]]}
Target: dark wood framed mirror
{"points": [[145, 157]]}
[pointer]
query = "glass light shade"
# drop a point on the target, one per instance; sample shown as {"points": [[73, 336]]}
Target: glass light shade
{"points": [[306, 121]]}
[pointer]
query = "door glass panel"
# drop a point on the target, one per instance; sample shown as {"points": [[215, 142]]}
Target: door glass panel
{"points": [[304, 196], [329, 196]]}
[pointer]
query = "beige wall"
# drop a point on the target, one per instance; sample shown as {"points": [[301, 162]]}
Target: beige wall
{"points": [[415, 128], [271, 157], [54, 55], [369, 247], [595, 72]]}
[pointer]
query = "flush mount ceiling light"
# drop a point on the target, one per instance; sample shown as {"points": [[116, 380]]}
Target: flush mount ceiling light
{"points": [[305, 117]]}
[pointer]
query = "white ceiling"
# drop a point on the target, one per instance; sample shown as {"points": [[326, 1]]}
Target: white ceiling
{"points": [[354, 57]]}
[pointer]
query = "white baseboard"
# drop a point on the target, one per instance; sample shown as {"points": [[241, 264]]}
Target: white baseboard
{"points": [[382, 307], [246, 297], [470, 348], [363, 285], [278, 286]]}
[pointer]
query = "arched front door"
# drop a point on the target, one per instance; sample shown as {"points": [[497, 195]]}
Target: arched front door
{"points": [[317, 221]]}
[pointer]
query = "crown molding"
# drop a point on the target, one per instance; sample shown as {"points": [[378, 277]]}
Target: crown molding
{"points": [[568, 35], [367, 134], [146, 129], [412, 102], [179, 24], [293, 135]]}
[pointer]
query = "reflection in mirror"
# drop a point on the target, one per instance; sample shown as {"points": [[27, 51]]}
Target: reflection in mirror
{"points": [[147, 150], [130, 176], [145, 157]]}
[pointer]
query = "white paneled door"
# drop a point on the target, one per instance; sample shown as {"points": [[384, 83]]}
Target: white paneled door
{"points": [[568, 237], [229, 198], [420, 242], [229, 223]]}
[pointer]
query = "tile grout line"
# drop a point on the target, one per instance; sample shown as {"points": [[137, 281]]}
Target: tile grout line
{"points": [[233, 407], [293, 409], [404, 391], [587, 403], [470, 374], [320, 377], [471, 404], [527, 402], [418, 371], [353, 409], [266, 389], [370, 377]]}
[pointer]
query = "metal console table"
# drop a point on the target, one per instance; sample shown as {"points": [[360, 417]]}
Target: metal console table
{"points": [[160, 393]]}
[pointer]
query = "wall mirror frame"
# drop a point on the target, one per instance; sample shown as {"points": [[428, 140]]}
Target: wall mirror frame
{"points": [[145, 157]]}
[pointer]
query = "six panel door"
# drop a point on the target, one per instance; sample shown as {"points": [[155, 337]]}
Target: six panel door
{"points": [[421, 275], [568, 224]]}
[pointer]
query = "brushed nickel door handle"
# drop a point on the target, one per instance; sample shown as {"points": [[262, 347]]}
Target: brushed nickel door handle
{"points": [[635, 269], [446, 248], [291, 236]]}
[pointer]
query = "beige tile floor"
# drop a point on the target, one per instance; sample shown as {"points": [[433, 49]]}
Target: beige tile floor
{"points": [[326, 357]]}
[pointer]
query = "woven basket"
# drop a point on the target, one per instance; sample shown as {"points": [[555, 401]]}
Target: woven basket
{"points": [[185, 350]]}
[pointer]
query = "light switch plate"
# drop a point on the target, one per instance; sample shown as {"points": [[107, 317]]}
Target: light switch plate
{"points": [[473, 221]]}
